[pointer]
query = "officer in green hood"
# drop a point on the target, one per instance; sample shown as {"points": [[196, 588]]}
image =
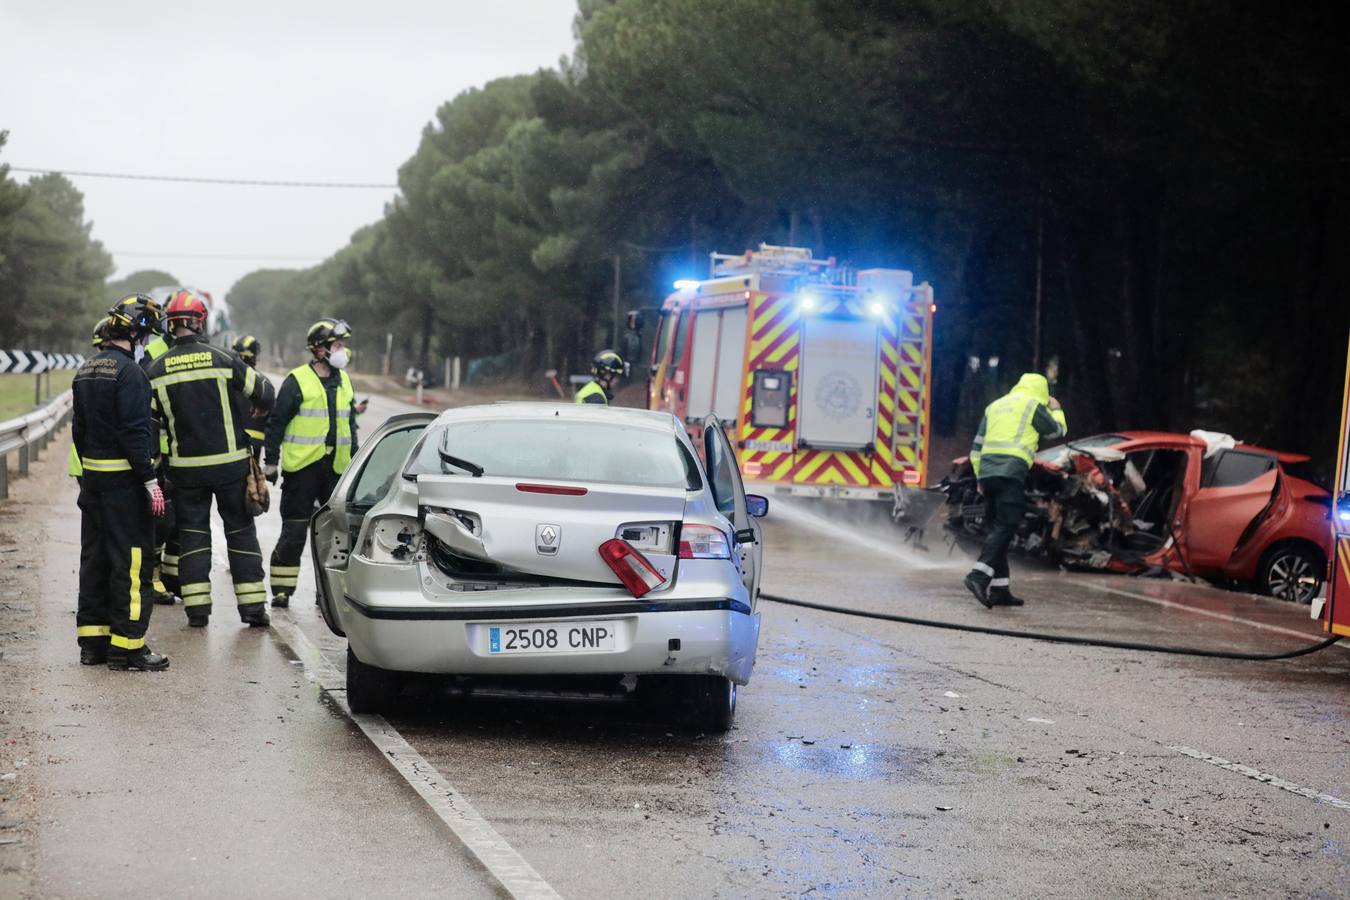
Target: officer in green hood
{"points": [[1002, 454]]}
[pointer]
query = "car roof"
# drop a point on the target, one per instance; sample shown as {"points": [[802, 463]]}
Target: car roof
{"points": [[651, 420], [1137, 439]]}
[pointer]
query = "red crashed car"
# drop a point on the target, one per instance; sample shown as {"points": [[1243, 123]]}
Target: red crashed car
{"points": [[1200, 504]]}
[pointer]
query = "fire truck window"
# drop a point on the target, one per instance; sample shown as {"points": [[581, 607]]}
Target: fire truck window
{"points": [[1235, 467], [681, 337]]}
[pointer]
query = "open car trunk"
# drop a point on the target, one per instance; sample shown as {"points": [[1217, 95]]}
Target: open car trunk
{"points": [[502, 527]]}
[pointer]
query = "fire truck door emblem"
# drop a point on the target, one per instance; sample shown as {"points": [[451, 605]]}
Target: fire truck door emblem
{"points": [[838, 395]]}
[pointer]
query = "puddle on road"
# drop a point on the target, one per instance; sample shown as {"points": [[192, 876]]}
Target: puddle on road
{"points": [[860, 761]]}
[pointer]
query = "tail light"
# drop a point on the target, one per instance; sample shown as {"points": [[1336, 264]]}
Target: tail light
{"points": [[632, 567], [703, 542]]}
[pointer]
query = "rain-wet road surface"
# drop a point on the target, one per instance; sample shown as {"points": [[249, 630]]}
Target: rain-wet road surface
{"points": [[868, 758]]}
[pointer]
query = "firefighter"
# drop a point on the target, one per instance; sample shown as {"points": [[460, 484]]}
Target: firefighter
{"points": [[195, 385], [73, 467], [119, 494], [1002, 453], [255, 419], [312, 432], [605, 367]]}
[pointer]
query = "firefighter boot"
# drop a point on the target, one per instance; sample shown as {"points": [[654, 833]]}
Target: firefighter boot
{"points": [[161, 594], [254, 615], [1001, 596], [141, 660], [281, 601], [978, 584], [198, 620], [94, 655]]}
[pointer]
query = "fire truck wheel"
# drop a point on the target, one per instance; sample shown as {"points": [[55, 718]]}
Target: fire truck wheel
{"points": [[1291, 572]]}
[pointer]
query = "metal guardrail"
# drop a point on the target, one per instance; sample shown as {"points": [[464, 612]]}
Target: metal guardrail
{"points": [[29, 435]]}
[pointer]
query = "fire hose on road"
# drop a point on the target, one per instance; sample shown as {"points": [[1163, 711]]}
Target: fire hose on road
{"points": [[1052, 638]]}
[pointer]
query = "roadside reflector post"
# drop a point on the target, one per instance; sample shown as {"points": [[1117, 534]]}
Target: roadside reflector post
{"points": [[454, 380]]}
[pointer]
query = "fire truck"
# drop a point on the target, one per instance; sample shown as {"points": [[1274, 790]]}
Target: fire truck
{"points": [[1336, 617], [820, 374]]}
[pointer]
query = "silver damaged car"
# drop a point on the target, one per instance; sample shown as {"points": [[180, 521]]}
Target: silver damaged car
{"points": [[544, 540]]}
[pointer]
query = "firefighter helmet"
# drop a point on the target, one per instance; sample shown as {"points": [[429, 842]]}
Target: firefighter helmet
{"points": [[607, 362], [134, 316], [325, 331], [185, 309], [101, 331], [248, 347]]}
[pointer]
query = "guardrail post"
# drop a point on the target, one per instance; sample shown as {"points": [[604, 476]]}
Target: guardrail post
{"points": [[4, 476], [23, 458]]}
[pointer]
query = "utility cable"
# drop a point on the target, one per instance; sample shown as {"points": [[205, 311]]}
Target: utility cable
{"points": [[1054, 638], [249, 182]]}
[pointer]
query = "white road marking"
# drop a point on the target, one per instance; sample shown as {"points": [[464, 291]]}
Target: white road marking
{"points": [[1264, 777], [1224, 617], [503, 863]]}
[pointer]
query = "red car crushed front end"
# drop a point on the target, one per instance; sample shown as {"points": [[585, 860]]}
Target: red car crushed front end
{"points": [[1200, 504]]}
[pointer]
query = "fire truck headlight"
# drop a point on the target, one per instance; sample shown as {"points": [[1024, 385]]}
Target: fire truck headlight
{"points": [[878, 308], [806, 303]]}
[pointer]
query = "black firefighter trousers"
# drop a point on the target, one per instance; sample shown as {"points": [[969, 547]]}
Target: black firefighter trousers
{"points": [[302, 492], [166, 538], [1005, 504], [194, 541], [116, 568]]}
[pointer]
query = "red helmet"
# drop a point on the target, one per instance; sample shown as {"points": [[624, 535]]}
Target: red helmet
{"points": [[187, 309]]}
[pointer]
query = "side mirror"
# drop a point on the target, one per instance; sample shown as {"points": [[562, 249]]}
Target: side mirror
{"points": [[757, 506]]}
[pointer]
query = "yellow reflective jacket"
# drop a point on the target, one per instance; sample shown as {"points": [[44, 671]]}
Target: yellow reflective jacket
{"points": [[1012, 428], [592, 392], [305, 440]]}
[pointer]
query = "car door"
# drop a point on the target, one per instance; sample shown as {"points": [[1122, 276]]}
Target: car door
{"points": [[1237, 488], [724, 477], [335, 526]]}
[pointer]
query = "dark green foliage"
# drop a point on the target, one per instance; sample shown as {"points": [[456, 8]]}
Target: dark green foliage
{"points": [[51, 271], [1179, 169]]}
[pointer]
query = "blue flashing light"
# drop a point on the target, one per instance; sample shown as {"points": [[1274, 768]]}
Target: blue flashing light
{"points": [[686, 284]]}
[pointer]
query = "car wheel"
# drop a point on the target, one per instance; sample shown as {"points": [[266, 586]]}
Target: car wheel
{"points": [[369, 689], [709, 702], [1291, 572]]}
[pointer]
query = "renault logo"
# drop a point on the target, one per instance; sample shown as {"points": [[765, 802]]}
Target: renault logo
{"points": [[547, 538]]}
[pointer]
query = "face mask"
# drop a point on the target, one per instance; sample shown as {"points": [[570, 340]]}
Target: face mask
{"points": [[338, 359]]}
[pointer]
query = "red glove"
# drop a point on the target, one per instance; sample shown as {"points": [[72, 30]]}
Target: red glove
{"points": [[156, 498]]}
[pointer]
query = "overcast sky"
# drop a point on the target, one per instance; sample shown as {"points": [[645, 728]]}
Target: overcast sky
{"points": [[312, 90]]}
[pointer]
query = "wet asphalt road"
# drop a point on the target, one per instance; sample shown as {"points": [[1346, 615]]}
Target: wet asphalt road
{"points": [[868, 758]]}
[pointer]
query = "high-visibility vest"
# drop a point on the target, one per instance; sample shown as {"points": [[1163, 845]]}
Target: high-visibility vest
{"points": [[1008, 428], [73, 464], [304, 442], [154, 350], [592, 389]]}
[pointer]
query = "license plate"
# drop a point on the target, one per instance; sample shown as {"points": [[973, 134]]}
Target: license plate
{"points": [[560, 637]]}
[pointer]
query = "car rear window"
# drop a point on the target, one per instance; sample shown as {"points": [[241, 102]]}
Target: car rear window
{"points": [[561, 451]]}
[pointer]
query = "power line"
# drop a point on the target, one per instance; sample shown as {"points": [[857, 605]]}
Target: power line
{"points": [[250, 182]]}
